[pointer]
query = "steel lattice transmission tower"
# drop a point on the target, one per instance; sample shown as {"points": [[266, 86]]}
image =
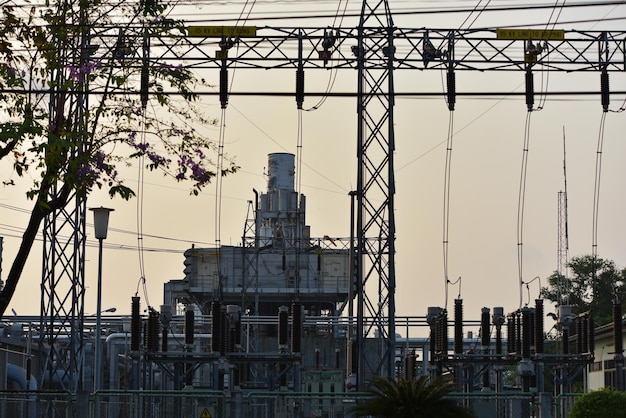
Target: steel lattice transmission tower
{"points": [[375, 248], [62, 298], [63, 273]]}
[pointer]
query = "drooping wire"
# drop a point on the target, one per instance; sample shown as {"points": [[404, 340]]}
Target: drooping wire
{"points": [[139, 215], [141, 168], [299, 153], [446, 203], [218, 199], [299, 217], [545, 75], [528, 287], [333, 71], [452, 284], [520, 206], [596, 189]]}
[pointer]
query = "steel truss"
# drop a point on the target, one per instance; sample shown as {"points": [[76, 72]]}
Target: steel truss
{"points": [[376, 48]]}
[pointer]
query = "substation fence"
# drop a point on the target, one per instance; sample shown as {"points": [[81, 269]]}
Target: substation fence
{"points": [[215, 404], [515, 404]]}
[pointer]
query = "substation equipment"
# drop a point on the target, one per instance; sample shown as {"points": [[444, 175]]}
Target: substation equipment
{"points": [[310, 278]]}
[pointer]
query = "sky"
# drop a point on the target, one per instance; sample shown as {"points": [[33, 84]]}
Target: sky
{"points": [[487, 152]]}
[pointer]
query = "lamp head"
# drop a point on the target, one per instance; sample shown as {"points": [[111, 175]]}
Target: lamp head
{"points": [[101, 221]]}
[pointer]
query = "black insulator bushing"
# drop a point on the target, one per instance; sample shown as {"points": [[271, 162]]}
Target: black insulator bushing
{"points": [[530, 90], [518, 332], [485, 336], [433, 339], [531, 324], [565, 340], [442, 333], [591, 331], [216, 326], [618, 340], [604, 90], [498, 339], [223, 87], [225, 340], [300, 87], [152, 340], [510, 334], [164, 340], [458, 326], [585, 336], [539, 341], [135, 324], [579, 334], [410, 365], [189, 326], [451, 81], [237, 332], [283, 327], [526, 333], [296, 327], [352, 357], [144, 327]]}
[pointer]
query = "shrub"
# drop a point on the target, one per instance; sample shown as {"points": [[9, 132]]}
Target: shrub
{"points": [[601, 403]]}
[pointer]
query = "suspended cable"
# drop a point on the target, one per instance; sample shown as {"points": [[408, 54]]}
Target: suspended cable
{"points": [[298, 228], [596, 188], [299, 153], [528, 287], [476, 9], [218, 199], [241, 19], [446, 203], [141, 169], [520, 206], [545, 75], [327, 43]]}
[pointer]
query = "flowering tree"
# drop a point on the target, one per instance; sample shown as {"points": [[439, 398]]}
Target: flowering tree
{"points": [[79, 95]]}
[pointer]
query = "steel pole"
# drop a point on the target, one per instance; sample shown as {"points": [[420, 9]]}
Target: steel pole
{"points": [[97, 339]]}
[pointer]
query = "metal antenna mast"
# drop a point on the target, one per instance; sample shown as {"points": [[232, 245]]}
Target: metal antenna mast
{"points": [[563, 239], [375, 189]]}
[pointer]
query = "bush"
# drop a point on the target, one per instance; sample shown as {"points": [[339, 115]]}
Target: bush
{"points": [[601, 403]]}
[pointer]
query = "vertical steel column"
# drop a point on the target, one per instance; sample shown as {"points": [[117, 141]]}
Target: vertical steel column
{"points": [[375, 191]]}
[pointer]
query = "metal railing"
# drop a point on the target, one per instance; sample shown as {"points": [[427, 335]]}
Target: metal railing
{"points": [[263, 404]]}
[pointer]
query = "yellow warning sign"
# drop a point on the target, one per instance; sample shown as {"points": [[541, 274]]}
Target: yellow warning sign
{"points": [[543, 35], [221, 31], [205, 413]]}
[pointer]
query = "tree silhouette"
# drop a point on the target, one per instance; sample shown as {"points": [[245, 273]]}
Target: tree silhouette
{"points": [[592, 285], [80, 96]]}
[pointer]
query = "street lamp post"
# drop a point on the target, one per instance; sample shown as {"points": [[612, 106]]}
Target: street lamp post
{"points": [[101, 226]]}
